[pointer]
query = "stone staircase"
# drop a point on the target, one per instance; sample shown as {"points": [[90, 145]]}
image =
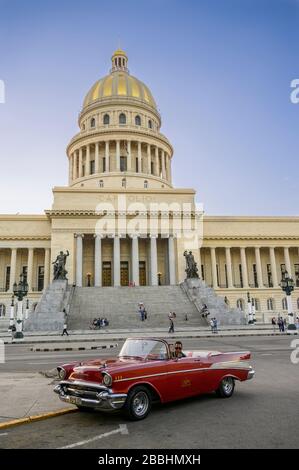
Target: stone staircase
{"points": [[120, 306], [199, 294]]}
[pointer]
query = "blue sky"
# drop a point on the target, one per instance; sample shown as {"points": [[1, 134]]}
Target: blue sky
{"points": [[220, 71]]}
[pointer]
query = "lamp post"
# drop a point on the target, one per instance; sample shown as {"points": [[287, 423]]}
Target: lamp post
{"points": [[159, 278], [88, 279], [249, 307], [287, 284], [12, 313], [20, 290], [253, 309], [27, 309]]}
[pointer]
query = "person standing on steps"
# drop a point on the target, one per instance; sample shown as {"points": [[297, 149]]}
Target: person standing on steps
{"points": [[65, 324], [171, 325]]}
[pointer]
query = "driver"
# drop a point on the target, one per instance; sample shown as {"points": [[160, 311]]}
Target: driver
{"points": [[178, 349]]}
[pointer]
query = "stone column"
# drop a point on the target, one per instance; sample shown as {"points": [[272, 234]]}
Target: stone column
{"points": [[171, 261], [154, 261], [244, 268], [149, 170], [163, 165], [157, 170], [97, 260], [118, 155], [87, 161], [30, 268], [71, 163], [116, 261], [13, 263], [80, 162], [107, 162], [139, 157], [47, 267], [75, 165], [229, 268], [287, 260], [129, 157], [96, 158], [135, 260], [199, 262], [214, 267], [79, 259], [273, 267], [258, 267]]}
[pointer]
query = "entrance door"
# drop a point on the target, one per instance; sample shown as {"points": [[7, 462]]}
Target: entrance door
{"points": [[142, 273], [124, 273], [106, 274]]}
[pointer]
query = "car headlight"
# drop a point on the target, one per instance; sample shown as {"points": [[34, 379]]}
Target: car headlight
{"points": [[61, 373], [107, 379]]}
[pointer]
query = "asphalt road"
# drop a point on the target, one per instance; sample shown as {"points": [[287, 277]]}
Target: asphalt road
{"points": [[263, 412]]}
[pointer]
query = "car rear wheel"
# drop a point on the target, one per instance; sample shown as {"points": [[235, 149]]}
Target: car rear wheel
{"points": [[138, 403], [226, 387]]}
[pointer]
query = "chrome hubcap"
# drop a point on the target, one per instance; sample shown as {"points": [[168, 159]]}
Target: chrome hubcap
{"points": [[140, 403], [228, 385]]}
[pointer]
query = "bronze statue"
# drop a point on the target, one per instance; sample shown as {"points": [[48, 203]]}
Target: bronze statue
{"points": [[191, 265], [59, 266]]}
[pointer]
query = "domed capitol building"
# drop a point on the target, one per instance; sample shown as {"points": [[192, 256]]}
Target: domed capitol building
{"points": [[124, 228]]}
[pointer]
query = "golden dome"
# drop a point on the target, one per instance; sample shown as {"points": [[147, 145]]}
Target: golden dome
{"points": [[119, 84]]}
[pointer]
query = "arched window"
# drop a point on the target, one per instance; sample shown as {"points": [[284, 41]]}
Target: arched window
{"points": [[92, 122], [101, 183], [123, 183], [106, 119], [2, 310], [138, 120], [284, 304], [145, 184], [122, 118], [240, 304], [270, 304], [150, 124]]}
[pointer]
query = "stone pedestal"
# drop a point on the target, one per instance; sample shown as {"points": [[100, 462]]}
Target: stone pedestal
{"points": [[48, 315], [201, 295]]}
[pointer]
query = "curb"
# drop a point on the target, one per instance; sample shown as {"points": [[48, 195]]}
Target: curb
{"points": [[83, 348], [40, 417]]}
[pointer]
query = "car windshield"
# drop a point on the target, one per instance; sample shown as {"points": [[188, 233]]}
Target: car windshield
{"points": [[145, 349]]}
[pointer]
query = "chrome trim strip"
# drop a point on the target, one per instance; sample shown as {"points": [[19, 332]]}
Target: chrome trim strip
{"points": [[216, 366]]}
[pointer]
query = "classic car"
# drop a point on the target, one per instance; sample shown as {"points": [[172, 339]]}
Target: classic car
{"points": [[147, 370]]}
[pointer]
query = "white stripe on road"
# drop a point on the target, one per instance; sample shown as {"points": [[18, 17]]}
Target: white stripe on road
{"points": [[4, 434], [122, 430]]}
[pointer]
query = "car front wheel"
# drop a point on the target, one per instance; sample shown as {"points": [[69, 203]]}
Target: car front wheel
{"points": [[138, 403], [226, 387]]}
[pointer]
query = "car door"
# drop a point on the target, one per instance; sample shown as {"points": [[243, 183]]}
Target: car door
{"points": [[185, 377]]}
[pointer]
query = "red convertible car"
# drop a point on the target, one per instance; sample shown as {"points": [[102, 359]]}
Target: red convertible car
{"points": [[146, 370]]}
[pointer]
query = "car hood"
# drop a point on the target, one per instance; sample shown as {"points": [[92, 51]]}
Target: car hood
{"points": [[92, 370]]}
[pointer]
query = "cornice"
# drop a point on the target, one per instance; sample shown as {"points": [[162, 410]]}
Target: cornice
{"points": [[15, 237]]}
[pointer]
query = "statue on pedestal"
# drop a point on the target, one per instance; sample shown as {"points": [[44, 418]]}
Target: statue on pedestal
{"points": [[191, 265], [59, 271]]}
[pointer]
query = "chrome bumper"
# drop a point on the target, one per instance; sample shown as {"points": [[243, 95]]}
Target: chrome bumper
{"points": [[250, 375], [103, 398]]}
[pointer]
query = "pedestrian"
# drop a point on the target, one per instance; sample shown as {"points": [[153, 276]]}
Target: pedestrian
{"points": [[215, 325], [212, 325], [273, 321], [65, 329], [171, 325]]}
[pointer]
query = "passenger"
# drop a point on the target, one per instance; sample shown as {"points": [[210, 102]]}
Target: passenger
{"points": [[178, 349]]}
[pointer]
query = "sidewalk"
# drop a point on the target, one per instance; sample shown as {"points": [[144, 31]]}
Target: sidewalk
{"points": [[28, 397], [87, 336]]}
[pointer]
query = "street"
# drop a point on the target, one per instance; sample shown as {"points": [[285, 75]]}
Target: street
{"points": [[261, 414]]}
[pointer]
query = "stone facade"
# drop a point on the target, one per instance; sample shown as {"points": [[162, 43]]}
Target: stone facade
{"points": [[120, 186]]}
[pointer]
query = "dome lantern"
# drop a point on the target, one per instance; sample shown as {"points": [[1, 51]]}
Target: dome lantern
{"points": [[119, 61]]}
